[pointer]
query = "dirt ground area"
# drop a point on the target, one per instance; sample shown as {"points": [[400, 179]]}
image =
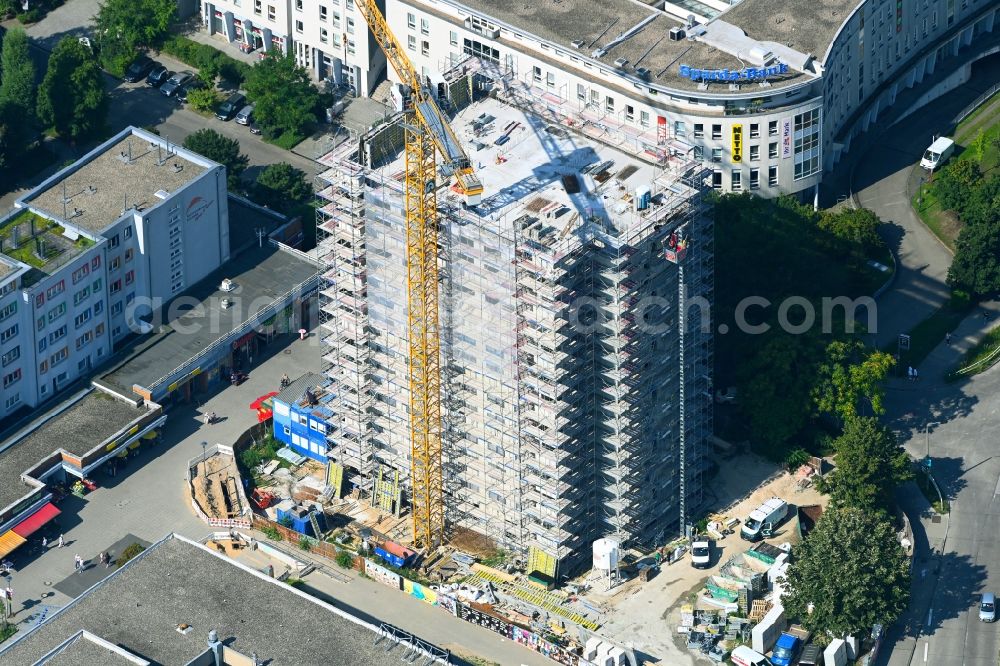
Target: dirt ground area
{"points": [[215, 481], [646, 615]]}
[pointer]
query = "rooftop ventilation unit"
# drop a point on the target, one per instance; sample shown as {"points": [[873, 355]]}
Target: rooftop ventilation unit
{"points": [[621, 62], [162, 194], [227, 285], [643, 73], [691, 21], [676, 34], [578, 43], [226, 303]]}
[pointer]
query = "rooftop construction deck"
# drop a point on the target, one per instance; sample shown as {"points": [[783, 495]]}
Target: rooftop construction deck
{"points": [[140, 608], [96, 191]]}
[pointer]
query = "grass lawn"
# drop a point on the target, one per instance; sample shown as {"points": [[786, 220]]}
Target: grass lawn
{"points": [[927, 488], [6, 631], [926, 335], [980, 354], [287, 140]]}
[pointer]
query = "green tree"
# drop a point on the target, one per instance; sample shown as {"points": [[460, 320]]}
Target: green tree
{"points": [[859, 226], [870, 464], [953, 183], [849, 574], [18, 85], [220, 149], [14, 132], [282, 187], [126, 26], [204, 99], [774, 385], [284, 98], [848, 375], [979, 144], [976, 266], [72, 98]]}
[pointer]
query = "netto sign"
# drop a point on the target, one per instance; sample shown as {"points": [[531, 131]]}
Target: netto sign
{"points": [[747, 74], [737, 143]]}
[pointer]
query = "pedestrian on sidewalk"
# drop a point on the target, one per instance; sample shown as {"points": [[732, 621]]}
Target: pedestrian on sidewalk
{"points": [[947, 338], [77, 563], [909, 372], [45, 543], [60, 544]]}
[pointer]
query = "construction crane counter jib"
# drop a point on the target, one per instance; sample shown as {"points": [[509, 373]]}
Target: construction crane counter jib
{"points": [[425, 110]]}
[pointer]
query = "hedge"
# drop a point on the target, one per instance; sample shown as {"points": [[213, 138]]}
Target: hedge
{"points": [[200, 55]]}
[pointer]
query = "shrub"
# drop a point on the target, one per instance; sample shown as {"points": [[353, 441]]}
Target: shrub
{"points": [[203, 99], [797, 458], [205, 56], [130, 551], [344, 559], [305, 543], [271, 533], [960, 300]]}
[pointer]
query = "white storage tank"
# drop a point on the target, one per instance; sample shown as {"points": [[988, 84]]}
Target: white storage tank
{"points": [[643, 195], [606, 553]]}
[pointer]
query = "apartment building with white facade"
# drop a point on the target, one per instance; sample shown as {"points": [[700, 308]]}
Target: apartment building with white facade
{"points": [[767, 94], [93, 250]]}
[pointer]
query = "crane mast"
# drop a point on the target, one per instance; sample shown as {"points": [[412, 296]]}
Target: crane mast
{"points": [[427, 133]]}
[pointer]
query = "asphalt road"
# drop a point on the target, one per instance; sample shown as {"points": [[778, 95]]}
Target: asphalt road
{"points": [[956, 558]]}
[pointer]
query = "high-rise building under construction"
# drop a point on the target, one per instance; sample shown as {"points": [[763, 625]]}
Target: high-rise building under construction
{"points": [[575, 347]]}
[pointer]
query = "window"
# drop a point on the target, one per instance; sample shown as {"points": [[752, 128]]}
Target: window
{"points": [[8, 334], [298, 28], [754, 130], [99, 330], [12, 400], [772, 128], [425, 28], [699, 152], [411, 42], [114, 240], [772, 150], [679, 128], [96, 287], [629, 112], [11, 356], [59, 357], [323, 13], [581, 92], [716, 154], [550, 79], [12, 378], [81, 296], [324, 36], [42, 345], [737, 180], [298, 5], [7, 288], [536, 73], [116, 286], [57, 312], [95, 263], [807, 149], [754, 152], [128, 232], [81, 273], [754, 179], [425, 47], [58, 334], [716, 131], [453, 38], [129, 254], [717, 180], [84, 340], [40, 323], [411, 21], [129, 297], [82, 318], [43, 367], [699, 131], [270, 12], [479, 50], [98, 307], [117, 262], [8, 310], [609, 104], [350, 25], [772, 176], [55, 289], [117, 331]]}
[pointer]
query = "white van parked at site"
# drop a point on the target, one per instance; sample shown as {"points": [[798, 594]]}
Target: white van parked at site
{"points": [[764, 518], [937, 153], [744, 656]]}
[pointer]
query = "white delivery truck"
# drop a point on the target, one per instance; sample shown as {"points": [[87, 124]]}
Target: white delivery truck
{"points": [[744, 656], [937, 153], [764, 518]]}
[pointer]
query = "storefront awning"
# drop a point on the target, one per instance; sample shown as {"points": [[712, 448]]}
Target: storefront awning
{"points": [[9, 541], [35, 521]]}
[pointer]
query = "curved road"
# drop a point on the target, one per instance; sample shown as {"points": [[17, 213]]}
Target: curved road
{"points": [[955, 557]]}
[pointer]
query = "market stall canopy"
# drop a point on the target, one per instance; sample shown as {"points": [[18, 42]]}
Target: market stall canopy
{"points": [[264, 406], [9, 541], [36, 521]]}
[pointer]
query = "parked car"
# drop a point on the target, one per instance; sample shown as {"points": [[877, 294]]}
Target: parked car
{"points": [[158, 76], [255, 129], [174, 83], [764, 519], [988, 607], [245, 116], [701, 554], [193, 84], [138, 70], [231, 106]]}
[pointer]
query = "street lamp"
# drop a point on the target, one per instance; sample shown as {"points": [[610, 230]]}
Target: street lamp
{"points": [[204, 452], [927, 440]]}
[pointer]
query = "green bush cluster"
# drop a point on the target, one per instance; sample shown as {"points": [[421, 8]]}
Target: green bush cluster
{"points": [[271, 533], [207, 57], [266, 449], [130, 551]]}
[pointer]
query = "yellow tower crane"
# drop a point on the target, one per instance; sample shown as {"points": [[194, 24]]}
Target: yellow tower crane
{"points": [[427, 131]]}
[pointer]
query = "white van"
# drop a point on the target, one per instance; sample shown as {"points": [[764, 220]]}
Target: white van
{"points": [[744, 656], [764, 518], [937, 153]]}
